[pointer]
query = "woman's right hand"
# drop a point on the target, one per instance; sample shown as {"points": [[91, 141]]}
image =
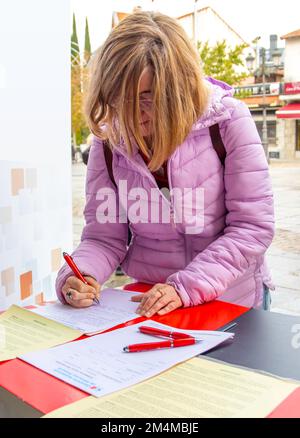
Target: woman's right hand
{"points": [[78, 294]]}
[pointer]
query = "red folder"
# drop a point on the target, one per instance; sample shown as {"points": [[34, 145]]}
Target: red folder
{"points": [[46, 393]]}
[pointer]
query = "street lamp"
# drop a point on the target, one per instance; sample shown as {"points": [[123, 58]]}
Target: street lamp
{"points": [[264, 128], [250, 62], [250, 65]]}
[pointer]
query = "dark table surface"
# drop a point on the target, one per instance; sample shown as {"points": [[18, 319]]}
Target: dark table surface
{"points": [[264, 341]]}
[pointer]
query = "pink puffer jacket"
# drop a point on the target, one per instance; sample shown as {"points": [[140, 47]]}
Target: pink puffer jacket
{"points": [[224, 259]]}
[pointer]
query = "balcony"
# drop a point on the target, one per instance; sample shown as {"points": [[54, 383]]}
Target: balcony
{"points": [[272, 89]]}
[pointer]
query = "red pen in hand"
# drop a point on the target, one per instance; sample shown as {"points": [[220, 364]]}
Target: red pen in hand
{"points": [[76, 271], [172, 343]]}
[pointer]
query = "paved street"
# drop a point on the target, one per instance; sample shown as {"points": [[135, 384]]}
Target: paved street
{"points": [[79, 173], [284, 253]]}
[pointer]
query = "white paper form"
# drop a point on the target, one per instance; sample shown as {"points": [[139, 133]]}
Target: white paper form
{"points": [[99, 366], [115, 307]]}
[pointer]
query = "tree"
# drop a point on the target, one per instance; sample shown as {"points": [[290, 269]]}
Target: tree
{"points": [[78, 121], [79, 128], [75, 53], [222, 62], [87, 43]]}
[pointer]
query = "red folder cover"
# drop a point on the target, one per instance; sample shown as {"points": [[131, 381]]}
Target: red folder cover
{"points": [[46, 393], [288, 408]]}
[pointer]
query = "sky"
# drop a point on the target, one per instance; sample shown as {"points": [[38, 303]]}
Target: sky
{"points": [[249, 18]]}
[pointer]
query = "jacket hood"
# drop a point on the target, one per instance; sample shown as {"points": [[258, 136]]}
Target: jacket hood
{"points": [[216, 110]]}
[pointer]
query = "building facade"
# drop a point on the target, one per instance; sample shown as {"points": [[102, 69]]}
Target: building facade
{"points": [[280, 69], [288, 116], [263, 95], [206, 25], [272, 93], [255, 98]]}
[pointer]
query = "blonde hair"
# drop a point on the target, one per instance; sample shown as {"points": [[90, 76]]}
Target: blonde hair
{"points": [[143, 40]]}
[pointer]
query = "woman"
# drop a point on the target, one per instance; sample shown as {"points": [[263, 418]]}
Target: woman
{"points": [[148, 97]]}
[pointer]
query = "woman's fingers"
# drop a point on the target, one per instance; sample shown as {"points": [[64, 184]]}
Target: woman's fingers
{"points": [[142, 298], [161, 299], [168, 308], [74, 295], [81, 287], [81, 303], [79, 294], [137, 298], [94, 283], [74, 283], [158, 305], [155, 295]]}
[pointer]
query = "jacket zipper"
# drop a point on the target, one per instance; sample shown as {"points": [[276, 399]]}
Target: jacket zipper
{"points": [[173, 224], [142, 168], [169, 203], [186, 249]]}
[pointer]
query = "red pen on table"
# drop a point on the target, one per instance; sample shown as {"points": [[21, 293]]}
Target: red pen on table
{"points": [[76, 271], [174, 339], [172, 343], [154, 331]]}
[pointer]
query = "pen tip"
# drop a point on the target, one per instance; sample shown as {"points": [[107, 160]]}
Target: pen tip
{"points": [[125, 349]]}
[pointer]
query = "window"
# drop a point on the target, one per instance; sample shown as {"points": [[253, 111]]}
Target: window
{"points": [[271, 130]]}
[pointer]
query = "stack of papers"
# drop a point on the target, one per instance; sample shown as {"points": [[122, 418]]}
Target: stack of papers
{"points": [[115, 307], [195, 389], [99, 366], [22, 331]]}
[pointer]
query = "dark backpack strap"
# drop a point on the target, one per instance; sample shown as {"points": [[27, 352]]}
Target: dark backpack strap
{"points": [[217, 142], [85, 155], [108, 160]]}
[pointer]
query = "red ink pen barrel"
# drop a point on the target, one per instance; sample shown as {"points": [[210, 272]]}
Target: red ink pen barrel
{"points": [[69, 260], [163, 333], [172, 343]]}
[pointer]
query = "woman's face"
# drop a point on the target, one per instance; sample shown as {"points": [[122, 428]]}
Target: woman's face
{"points": [[145, 93]]}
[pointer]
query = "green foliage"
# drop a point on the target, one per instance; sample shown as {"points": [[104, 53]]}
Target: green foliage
{"points": [[221, 61], [87, 43], [75, 53], [80, 130]]}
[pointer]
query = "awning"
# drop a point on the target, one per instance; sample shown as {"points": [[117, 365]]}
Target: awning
{"points": [[290, 111]]}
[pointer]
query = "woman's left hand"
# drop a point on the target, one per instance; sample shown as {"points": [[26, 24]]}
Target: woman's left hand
{"points": [[161, 299]]}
